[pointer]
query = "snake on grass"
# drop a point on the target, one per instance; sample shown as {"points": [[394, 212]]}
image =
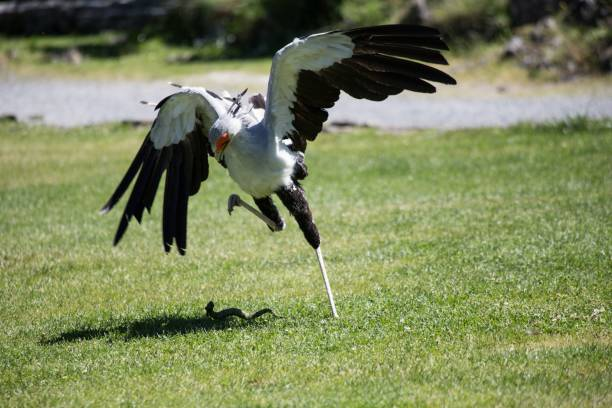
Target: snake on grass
{"points": [[234, 311]]}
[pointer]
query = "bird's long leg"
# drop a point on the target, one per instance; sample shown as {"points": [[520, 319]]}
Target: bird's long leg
{"points": [[294, 199], [235, 200], [330, 295]]}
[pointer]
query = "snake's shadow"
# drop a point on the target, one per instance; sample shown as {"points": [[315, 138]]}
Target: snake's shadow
{"points": [[158, 326]]}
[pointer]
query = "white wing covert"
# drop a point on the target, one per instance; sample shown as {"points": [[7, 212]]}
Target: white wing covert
{"points": [[308, 74], [178, 145]]}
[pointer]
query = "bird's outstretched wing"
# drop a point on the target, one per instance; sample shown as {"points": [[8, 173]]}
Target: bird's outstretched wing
{"points": [[178, 145], [308, 74]]}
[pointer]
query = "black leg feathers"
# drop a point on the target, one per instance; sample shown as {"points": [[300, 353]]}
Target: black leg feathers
{"points": [[267, 208], [294, 199]]}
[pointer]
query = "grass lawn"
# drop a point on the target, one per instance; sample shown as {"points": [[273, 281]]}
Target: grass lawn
{"points": [[104, 56], [469, 268]]}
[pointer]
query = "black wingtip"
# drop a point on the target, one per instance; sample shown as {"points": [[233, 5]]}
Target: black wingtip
{"points": [[108, 206], [143, 152], [447, 80], [123, 224]]}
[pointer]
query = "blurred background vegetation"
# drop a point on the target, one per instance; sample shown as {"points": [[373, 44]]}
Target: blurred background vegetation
{"points": [[562, 38]]}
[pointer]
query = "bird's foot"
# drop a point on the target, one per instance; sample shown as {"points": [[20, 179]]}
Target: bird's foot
{"points": [[234, 200]]}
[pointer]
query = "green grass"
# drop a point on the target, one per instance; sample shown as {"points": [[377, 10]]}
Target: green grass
{"points": [[469, 268], [107, 56]]}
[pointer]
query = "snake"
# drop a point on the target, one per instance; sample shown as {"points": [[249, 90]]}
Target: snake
{"points": [[234, 311]]}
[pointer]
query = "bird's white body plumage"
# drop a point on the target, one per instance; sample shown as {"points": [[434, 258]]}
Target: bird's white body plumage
{"points": [[255, 160], [257, 163], [256, 157]]}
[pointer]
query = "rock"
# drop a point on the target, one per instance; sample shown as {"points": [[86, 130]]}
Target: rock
{"points": [[514, 47], [548, 46]]}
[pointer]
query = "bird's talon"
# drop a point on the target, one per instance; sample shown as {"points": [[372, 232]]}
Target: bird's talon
{"points": [[233, 201]]}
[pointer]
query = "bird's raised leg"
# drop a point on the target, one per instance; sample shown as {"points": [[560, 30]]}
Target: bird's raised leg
{"points": [[294, 199], [234, 200], [267, 208]]}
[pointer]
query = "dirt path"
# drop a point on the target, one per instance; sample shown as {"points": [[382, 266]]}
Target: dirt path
{"points": [[67, 102]]}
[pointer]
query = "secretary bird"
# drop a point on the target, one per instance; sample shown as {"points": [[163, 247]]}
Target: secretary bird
{"points": [[262, 143]]}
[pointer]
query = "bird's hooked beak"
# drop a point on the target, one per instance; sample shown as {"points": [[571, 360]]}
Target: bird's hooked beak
{"points": [[222, 143]]}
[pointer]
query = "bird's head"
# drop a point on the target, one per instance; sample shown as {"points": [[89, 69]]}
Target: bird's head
{"points": [[222, 133]]}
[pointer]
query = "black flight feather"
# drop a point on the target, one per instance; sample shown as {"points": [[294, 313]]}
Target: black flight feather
{"points": [[392, 78], [173, 176], [383, 63], [198, 157], [140, 188], [315, 90], [183, 196], [128, 177], [161, 166], [435, 43], [370, 82], [401, 50], [393, 29], [131, 208]]}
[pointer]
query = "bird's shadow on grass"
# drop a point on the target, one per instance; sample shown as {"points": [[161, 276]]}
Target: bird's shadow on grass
{"points": [[157, 326]]}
